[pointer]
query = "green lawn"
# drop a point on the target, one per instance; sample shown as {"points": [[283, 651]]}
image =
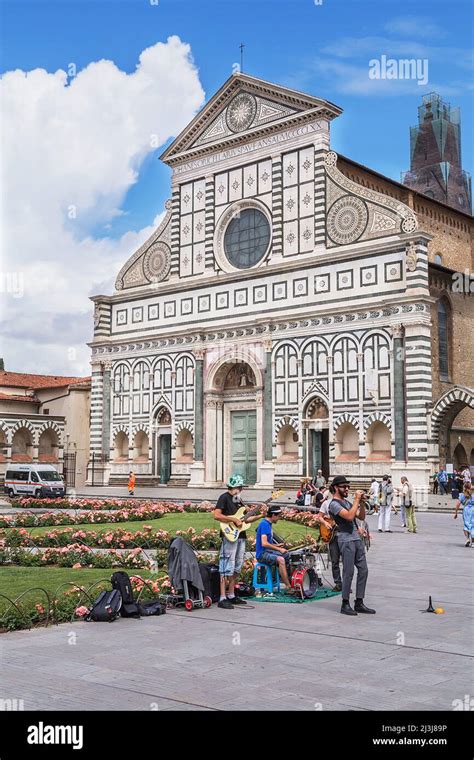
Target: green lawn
{"points": [[174, 522], [15, 580]]}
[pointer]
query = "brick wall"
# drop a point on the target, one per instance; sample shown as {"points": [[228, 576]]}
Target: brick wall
{"points": [[453, 231]]}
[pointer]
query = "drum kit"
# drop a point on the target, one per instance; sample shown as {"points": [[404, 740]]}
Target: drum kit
{"points": [[302, 573]]}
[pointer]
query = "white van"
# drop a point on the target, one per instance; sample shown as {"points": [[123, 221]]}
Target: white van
{"points": [[34, 480]]}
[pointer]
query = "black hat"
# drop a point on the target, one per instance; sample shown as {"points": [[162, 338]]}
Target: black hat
{"points": [[274, 511], [340, 480]]}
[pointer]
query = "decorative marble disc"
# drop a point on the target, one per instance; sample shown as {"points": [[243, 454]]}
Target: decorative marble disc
{"points": [[347, 220], [156, 262], [241, 112]]}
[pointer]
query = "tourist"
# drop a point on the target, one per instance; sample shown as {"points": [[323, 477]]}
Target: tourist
{"points": [[435, 483], [231, 555], [304, 496], [466, 499], [320, 481], [374, 495], [268, 551], [443, 481], [466, 476], [351, 546], [319, 497], [407, 501], [386, 500], [131, 483]]}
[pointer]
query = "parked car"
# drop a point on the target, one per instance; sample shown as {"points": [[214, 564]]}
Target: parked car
{"points": [[34, 480]]}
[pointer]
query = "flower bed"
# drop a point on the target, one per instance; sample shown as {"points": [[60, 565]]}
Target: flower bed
{"points": [[112, 539], [148, 511], [109, 504], [75, 556], [72, 604]]}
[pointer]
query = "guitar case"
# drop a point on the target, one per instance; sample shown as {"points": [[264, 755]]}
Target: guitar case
{"points": [[211, 578]]}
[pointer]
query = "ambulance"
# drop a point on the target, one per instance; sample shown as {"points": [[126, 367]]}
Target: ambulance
{"points": [[34, 480]]}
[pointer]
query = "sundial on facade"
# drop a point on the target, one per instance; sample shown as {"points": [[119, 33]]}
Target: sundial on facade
{"points": [[241, 112]]}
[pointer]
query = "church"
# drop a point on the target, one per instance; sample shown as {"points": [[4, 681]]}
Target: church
{"points": [[281, 319]]}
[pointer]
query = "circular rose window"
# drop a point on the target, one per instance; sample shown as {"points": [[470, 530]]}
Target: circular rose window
{"points": [[246, 238]]}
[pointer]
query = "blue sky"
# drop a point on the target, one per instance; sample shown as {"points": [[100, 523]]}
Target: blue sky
{"points": [[84, 184], [322, 49]]}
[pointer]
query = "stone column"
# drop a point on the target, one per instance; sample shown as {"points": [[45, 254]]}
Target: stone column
{"points": [[267, 468], [332, 444], [197, 468], [107, 395], [362, 449], [399, 421], [417, 396], [268, 403]]}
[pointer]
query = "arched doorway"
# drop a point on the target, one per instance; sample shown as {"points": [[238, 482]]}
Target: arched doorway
{"points": [[233, 426], [161, 449], [443, 440], [459, 457], [316, 424], [22, 446]]}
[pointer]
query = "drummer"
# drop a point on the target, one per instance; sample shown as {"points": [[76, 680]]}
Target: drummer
{"points": [[268, 551]]}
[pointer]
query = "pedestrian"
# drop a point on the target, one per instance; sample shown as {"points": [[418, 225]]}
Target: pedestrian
{"points": [[386, 500], [131, 483], [435, 483], [320, 481], [466, 476], [351, 546], [407, 501], [374, 493], [442, 480], [466, 499], [304, 495]]}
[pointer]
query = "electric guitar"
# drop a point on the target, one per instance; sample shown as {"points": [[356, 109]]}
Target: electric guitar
{"points": [[231, 531]]}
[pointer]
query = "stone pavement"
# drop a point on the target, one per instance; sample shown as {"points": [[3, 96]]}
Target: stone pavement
{"points": [[274, 656]]}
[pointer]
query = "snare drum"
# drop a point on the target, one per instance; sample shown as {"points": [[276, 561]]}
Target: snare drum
{"points": [[305, 581]]}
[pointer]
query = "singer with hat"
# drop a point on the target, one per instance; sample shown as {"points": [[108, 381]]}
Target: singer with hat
{"points": [[350, 543]]}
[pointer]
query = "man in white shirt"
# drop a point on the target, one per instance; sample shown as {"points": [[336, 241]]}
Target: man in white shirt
{"points": [[374, 494]]}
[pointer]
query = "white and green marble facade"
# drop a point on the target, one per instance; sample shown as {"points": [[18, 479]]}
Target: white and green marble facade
{"points": [[337, 311]]}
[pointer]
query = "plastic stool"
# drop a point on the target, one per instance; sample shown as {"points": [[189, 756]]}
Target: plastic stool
{"points": [[270, 584]]}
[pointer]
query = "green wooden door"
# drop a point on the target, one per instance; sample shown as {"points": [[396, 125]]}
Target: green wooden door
{"points": [[165, 458], [244, 445]]}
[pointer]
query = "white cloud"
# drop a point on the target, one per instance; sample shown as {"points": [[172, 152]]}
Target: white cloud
{"points": [[75, 149], [414, 26]]}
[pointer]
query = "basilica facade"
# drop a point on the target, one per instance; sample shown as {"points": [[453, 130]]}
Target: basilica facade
{"points": [[276, 322]]}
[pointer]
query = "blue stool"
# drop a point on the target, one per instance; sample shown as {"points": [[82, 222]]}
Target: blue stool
{"points": [[270, 584]]}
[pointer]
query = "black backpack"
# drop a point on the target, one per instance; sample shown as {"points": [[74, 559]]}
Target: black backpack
{"points": [[154, 607], [121, 583], [106, 607]]}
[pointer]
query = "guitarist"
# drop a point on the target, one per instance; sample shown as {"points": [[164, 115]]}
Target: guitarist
{"points": [[231, 555]]}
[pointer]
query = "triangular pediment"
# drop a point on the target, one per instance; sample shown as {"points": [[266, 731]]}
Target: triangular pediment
{"points": [[243, 108]]}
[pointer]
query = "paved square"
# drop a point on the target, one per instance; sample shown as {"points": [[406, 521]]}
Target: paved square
{"points": [[275, 656]]}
